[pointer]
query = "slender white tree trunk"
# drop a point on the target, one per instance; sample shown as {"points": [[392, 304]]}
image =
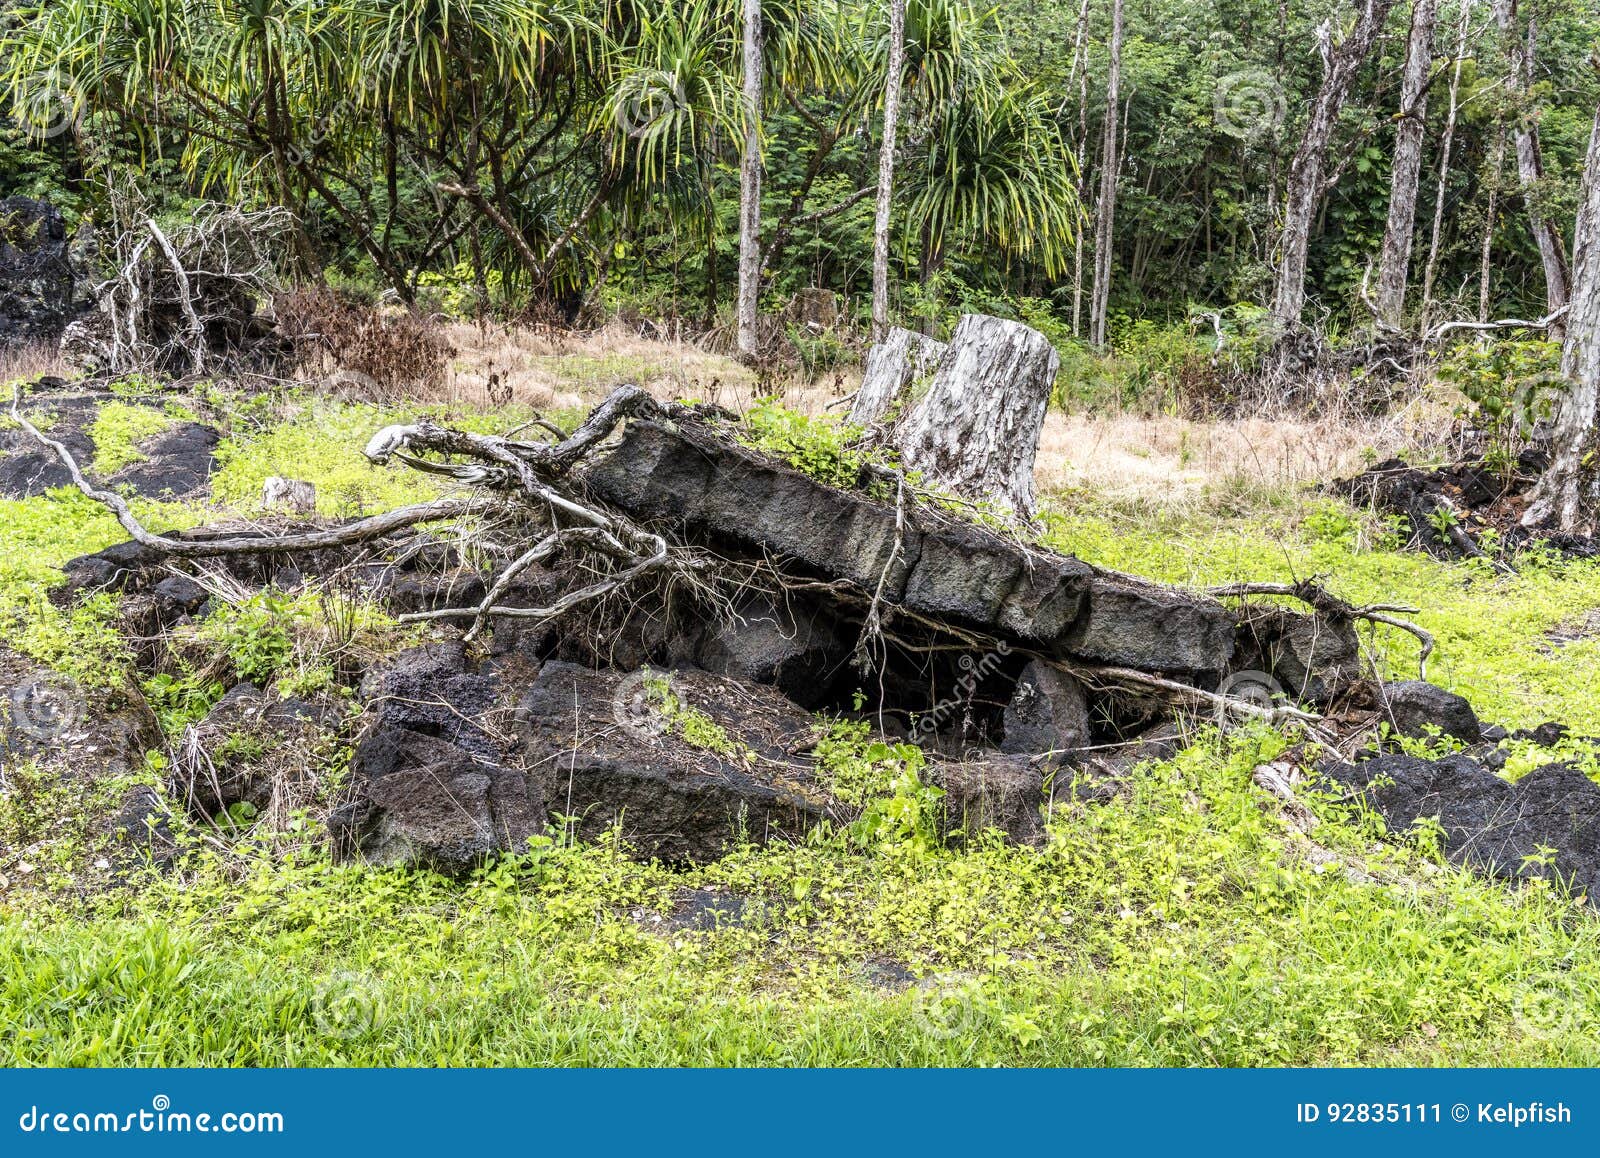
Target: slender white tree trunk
{"points": [[750, 187], [1395, 262], [1569, 493], [1080, 74], [1497, 164], [1530, 160], [1106, 206], [1431, 268], [891, 122], [1306, 171]]}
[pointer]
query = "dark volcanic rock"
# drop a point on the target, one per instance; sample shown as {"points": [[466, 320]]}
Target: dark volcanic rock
{"points": [[1048, 713], [1546, 824], [1414, 704], [433, 785], [945, 568], [789, 646], [431, 691], [174, 464], [1135, 625], [28, 469], [36, 275], [1313, 657], [1005, 793], [606, 764], [427, 801], [177, 463]]}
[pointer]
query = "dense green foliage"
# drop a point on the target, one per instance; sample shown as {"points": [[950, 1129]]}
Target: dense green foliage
{"points": [[518, 153]]}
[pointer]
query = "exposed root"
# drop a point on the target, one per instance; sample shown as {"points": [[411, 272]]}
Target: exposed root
{"points": [[1323, 601]]}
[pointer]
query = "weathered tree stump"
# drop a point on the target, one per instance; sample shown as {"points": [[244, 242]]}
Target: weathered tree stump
{"points": [[894, 366], [975, 430]]}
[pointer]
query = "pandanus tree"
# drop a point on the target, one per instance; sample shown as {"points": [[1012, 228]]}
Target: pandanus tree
{"points": [[328, 108], [998, 174]]}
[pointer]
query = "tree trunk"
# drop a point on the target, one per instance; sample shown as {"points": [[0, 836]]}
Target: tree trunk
{"points": [[975, 432], [1079, 75], [1530, 162], [1431, 268], [1569, 493], [1497, 164], [750, 187], [1395, 261], [1106, 205], [1306, 171], [891, 121], [894, 366]]}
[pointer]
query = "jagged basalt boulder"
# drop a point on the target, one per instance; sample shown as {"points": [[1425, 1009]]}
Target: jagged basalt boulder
{"points": [[602, 754], [1313, 657], [433, 784], [788, 645], [1005, 793], [1048, 714], [1414, 705], [37, 280], [1546, 824]]}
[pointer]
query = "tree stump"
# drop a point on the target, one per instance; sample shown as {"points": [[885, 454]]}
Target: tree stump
{"points": [[974, 431], [894, 366]]}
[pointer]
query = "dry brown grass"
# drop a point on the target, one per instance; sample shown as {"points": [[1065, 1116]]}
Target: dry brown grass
{"points": [[31, 361], [1178, 462], [519, 366], [1160, 461]]}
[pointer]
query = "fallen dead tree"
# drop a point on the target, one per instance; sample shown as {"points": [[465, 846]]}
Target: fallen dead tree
{"points": [[181, 302], [679, 499]]}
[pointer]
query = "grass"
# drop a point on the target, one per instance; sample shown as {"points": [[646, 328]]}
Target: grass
{"points": [[1175, 927], [1491, 628], [1181, 923], [118, 431]]}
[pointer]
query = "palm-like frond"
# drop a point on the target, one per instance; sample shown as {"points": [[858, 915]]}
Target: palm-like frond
{"points": [[998, 170]]}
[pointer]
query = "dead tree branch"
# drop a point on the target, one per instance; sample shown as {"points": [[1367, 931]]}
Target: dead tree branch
{"points": [[1323, 601]]}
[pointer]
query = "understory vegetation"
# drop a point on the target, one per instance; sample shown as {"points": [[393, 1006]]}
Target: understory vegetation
{"points": [[1267, 244], [1182, 922]]}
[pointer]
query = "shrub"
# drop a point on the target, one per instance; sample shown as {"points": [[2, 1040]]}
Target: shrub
{"points": [[378, 354]]}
